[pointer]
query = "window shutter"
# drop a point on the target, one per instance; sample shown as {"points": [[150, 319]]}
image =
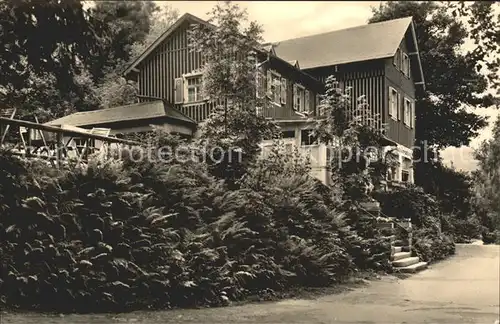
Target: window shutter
{"points": [[412, 118], [258, 84], [317, 102], [391, 99], [269, 82], [398, 104], [178, 91], [295, 94], [307, 102], [283, 91]]}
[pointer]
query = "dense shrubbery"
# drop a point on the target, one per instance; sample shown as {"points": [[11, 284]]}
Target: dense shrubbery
{"points": [[433, 237], [411, 202], [465, 230], [116, 236], [432, 246]]}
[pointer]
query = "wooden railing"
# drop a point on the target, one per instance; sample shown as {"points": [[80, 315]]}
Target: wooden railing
{"points": [[56, 144]]}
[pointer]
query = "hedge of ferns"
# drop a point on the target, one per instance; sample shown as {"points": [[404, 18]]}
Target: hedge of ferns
{"points": [[110, 237]]}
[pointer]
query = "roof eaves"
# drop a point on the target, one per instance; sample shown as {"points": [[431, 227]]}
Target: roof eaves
{"points": [[348, 61], [414, 35], [297, 69], [168, 32], [187, 118]]}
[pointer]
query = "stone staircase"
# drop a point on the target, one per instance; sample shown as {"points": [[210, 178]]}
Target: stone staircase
{"points": [[403, 261]]}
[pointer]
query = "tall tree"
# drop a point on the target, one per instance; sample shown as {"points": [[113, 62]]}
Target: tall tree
{"points": [[113, 89], [229, 73], [357, 156], [161, 20], [487, 177], [455, 85], [127, 22], [45, 43]]}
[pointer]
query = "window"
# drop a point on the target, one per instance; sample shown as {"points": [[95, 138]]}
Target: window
{"points": [[288, 134], [274, 86], [393, 103], [407, 112], [80, 144], [406, 169], [406, 65], [307, 138], [391, 173], [405, 176], [194, 90], [397, 59], [299, 98], [260, 84]]}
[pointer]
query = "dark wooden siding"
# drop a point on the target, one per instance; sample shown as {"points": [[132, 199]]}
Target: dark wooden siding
{"points": [[396, 129], [172, 58], [365, 78]]}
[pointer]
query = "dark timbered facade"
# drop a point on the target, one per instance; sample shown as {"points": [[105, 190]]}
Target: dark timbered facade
{"points": [[170, 71], [379, 61]]}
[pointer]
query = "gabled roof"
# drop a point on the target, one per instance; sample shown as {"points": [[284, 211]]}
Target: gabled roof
{"points": [[266, 48], [269, 48], [145, 110], [186, 17], [361, 43]]}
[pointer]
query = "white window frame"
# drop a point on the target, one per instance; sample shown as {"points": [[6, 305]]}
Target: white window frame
{"points": [[260, 88], [301, 106], [199, 95], [413, 118], [396, 60], [406, 65], [407, 111], [393, 108], [276, 97]]}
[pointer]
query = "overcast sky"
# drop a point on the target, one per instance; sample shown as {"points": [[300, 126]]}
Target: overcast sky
{"points": [[283, 20]]}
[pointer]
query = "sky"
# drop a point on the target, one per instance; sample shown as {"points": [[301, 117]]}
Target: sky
{"points": [[283, 20]]}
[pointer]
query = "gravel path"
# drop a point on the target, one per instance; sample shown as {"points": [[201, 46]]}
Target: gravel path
{"points": [[462, 289]]}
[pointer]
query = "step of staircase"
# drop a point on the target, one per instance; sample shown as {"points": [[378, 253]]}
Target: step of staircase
{"points": [[406, 262], [400, 255], [397, 249], [400, 248], [412, 268]]}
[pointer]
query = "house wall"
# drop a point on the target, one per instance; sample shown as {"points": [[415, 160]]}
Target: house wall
{"points": [[365, 78], [396, 129], [373, 79], [172, 59]]}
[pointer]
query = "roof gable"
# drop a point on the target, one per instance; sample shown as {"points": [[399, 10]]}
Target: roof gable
{"points": [[186, 17], [361, 43], [268, 49]]}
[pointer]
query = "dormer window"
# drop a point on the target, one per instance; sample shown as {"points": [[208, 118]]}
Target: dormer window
{"points": [[274, 87], [397, 59], [406, 65], [393, 103], [299, 98]]}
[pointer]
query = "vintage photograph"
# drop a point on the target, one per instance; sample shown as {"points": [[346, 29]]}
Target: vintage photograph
{"points": [[249, 162]]}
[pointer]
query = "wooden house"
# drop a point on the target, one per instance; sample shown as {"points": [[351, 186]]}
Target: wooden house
{"points": [[380, 61]]}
